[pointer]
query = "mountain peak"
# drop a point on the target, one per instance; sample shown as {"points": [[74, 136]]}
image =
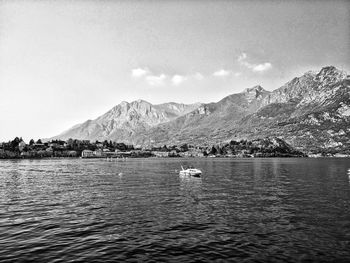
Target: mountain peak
{"points": [[330, 74], [327, 69], [255, 93], [140, 101], [256, 88]]}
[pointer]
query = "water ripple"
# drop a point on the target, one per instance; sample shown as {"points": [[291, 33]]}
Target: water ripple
{"points": [[259, 210]]}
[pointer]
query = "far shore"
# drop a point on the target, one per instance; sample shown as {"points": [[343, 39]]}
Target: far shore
{"points": [[273, 147], [185, 157]]}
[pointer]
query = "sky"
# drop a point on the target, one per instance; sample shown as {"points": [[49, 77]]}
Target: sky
{"points": [[64, 62]]}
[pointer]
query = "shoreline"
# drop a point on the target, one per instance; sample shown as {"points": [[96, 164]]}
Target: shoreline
{"points": [[181, 157]]}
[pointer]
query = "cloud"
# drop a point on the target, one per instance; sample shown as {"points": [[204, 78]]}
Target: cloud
{"points": [[262, 67], [145, 73], [139, 72], [237, 74], [155, 80], [178, 79], [254, 67], [221, 73]]}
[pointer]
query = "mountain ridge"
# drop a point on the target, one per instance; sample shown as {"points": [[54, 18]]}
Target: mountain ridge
{"points": [[126, 118], [293, 112]]}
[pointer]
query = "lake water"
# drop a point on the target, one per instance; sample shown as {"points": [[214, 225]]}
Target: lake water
{"points": [[93, 210]]}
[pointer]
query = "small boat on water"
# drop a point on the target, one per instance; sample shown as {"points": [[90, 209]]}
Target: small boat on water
{"points": [[191, 171]]}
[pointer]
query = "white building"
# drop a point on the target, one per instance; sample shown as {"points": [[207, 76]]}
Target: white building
{"points": [[87, 154]]}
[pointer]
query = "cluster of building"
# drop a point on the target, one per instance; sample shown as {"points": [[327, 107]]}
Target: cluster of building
{"points": [[142, 152], [106, 153]]}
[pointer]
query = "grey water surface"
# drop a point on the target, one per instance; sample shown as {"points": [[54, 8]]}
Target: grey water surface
{"points": [[241, 210]]}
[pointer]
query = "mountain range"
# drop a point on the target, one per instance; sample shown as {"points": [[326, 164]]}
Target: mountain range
{"points": [[311, 112]]}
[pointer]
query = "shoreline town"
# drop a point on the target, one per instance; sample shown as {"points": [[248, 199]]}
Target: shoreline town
{"points": [[267, 147]]}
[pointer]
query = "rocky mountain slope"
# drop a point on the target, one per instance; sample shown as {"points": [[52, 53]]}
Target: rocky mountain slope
{"points": [[311, 112], [208, 123], [127, 119]]}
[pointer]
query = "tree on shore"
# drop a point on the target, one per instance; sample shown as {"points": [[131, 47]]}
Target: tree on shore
{"points": [[14, 144]]}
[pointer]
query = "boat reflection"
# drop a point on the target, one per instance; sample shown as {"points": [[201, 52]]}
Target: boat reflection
{"points": [[190, 183]]}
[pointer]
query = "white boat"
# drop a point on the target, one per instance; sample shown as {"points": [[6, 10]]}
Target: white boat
{"points": [[191, 172]]}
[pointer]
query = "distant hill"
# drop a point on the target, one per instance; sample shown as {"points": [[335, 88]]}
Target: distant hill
{"points": [[311, 112], [126, 120]]}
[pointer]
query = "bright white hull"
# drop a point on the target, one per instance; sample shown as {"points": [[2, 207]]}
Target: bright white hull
{"points": [[191, 172]]}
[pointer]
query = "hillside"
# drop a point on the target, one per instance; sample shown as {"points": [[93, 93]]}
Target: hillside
{"points": [[126, 119], [311, 112]]}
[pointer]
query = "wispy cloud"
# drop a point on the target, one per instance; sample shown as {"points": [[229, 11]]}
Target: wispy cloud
{"points": [[139, 72], [146, 74], [159, 79], [178, 79], [221, 73], [262, 67], [242, 59], [154, 80]]}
